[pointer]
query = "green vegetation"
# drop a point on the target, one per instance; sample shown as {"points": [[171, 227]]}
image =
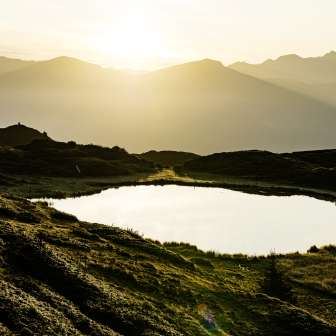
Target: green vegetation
{"points": [[59, 276], [313, 169], [17, 135], [59, 159], [56, 169]]}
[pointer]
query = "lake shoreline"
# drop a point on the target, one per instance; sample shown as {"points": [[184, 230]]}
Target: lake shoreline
{"points": [[48, 256], [56, 187], [222, 220]]}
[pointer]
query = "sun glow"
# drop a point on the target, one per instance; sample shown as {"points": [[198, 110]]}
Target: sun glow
{"points": [[132, 42]]}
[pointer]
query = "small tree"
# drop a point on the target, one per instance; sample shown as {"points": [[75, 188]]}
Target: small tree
{"points": [[274, 283]]}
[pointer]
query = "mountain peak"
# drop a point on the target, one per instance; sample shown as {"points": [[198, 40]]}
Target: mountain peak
{"points": [[194, 68], [330, 55], [210, 61], [206, 64], [209, 64], [290, 57], [64, 60]]}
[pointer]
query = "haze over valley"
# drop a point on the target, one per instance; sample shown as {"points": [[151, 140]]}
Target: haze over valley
{"points": [[200, 106]]}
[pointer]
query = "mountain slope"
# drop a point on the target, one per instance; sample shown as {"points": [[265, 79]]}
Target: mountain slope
{"points": [[313, 76], [12, 64], [60, 72], [20, 135], [199, 107], [324, 92], [221, 108], [315, 169], [41, 156]]}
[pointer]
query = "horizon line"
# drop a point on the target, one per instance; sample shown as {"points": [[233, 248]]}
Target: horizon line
{"points": [[130, 69]]}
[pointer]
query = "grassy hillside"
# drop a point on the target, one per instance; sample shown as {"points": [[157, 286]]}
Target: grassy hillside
{"points": [[307, 169], [168, 158], [59, 276], [20, 135], [58, 169], [59, 159]]}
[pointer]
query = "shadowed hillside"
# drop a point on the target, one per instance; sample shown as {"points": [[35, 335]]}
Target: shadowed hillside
{"points": [[20, 135], [168, 158], [59, 159], [60, 276], [44, 166], [307, 169]]}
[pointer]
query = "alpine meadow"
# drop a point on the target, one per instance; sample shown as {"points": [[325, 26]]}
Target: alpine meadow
{"points": [[167, 168]]}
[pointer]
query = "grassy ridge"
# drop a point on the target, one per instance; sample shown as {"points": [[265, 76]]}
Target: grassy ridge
{"points": [[59, 276], [60, 159], [316, 169], [168, 158]]}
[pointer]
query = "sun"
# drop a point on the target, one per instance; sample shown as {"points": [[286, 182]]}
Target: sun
{"points": [[130, 41]]}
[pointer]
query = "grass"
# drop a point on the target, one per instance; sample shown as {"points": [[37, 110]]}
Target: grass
{"points": [[61, 187], [60, 276]]}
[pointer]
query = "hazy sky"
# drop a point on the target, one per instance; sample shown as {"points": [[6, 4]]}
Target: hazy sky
{"points": [[146, 34]]}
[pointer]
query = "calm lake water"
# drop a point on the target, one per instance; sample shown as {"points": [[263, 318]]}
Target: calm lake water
{"points": [[211, 218]]}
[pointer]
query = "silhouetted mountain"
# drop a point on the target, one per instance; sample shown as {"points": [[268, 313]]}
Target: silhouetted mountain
{"points": [[168, 158], [200, 107], [20, 135], [12, 64]]}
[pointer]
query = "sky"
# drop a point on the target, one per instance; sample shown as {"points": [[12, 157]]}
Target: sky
{"points": [[149, 34]]}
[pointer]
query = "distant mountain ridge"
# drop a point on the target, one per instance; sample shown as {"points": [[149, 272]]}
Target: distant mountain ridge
{"points": [[200, 107], [312, 76], [310, 70], [59, 72], [18, 134], [12, 64]]}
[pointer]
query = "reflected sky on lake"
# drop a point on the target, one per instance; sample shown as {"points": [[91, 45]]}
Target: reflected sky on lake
{"points": [[211, 218]]}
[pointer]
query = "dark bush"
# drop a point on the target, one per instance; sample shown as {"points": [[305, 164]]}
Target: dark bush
{"points": [[313, 249]]}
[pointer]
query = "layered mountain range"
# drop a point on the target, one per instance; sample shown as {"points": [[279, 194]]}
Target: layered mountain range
{"points": [[202, 107]]}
